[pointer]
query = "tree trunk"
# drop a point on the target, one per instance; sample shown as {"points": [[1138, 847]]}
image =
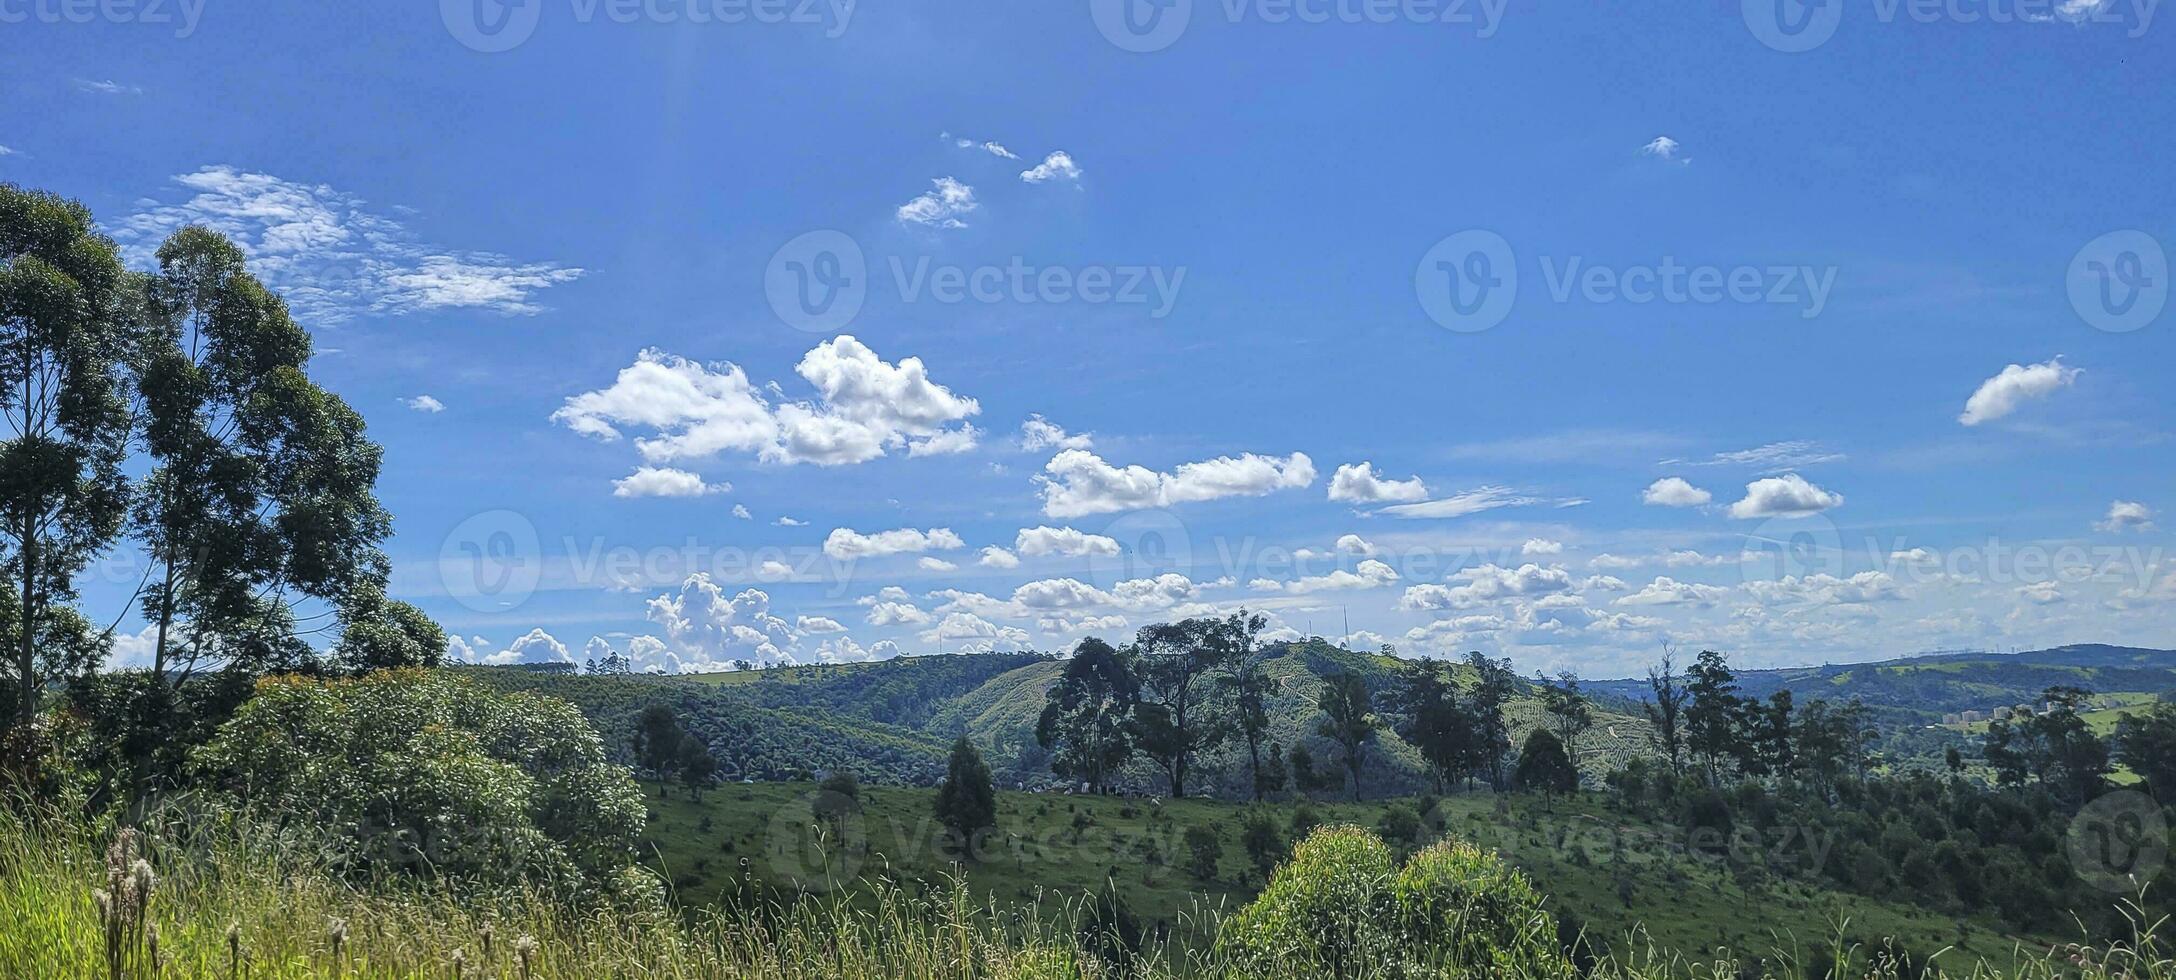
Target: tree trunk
{"points": [[26, 657]]}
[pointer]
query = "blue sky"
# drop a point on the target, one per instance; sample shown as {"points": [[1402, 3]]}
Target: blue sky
{"points": [[1232, 260]]}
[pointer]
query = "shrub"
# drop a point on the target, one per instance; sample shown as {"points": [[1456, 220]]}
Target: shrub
{"points": [[1341, 907], [1204, 848], [423, 773]]}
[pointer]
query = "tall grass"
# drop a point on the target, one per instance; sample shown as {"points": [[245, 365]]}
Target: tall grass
{"points": [[219, 901]]}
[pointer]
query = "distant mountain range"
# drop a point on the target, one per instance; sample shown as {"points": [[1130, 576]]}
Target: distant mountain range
{"points": [[1923, 689], [891, 721]]}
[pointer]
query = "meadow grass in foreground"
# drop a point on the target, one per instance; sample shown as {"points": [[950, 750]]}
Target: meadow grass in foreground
{"points": [[78, 902]]}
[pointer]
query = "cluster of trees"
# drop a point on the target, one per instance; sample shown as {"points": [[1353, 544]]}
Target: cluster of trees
{"points": [[1699, 718], [173, 409], [1179, 691], [665, 748]]}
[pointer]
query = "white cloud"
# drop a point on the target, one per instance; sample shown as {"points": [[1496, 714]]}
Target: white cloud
{"points": [[1540, 546], [990, 147], [7, 151], [1665, 149], [940, 207], [741, 511], [1369, 574], [847, 544], [1666, 591], [893, 611], [424, 403], [996, 557], [1823, 589], [983, 635], [865, 406], [1057, 166], [1038, 433], [2005, 392], [1160, 592], [818, 624], [929, 564], [705, 630], [784, 521], [1060, 593], [1080, 482], [332, 259], [947, 442], [2127, 515], [1773, 457], [2041, 593], [1460, 505], [1488, 583], [1672, 491], [656, 481], [533, 647], [1359, 483], [1038, 541], [1355, 544], [106, 86], [1788, 495]]}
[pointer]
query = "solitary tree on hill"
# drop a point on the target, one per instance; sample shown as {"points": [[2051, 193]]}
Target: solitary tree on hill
{"points": [[1544, 766], [1348, 720], [966, 803]]}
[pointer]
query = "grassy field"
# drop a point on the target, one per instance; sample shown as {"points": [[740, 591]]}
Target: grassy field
{"points": [[1611, 874]]}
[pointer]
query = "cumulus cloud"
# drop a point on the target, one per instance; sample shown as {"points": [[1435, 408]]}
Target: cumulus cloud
{"points": [[741, 511], [1355, 544], [533, 647], [1674, 491], [1359, 483], [818, 624], [2127, 515], [1068, 542], [424, 403], [1540, 546], [847, 544], [2013, 386], [865, 406], [996, 557], [930, 564], [1666, 591], [1057, 166], [1788, 495], [941, 206], [1488, 583], [1369, 574], [332, 258], [664, 481], [784, 521], [1823, 589], [1038, 433], [1060, 593], [704, 629], [1079, 482]]}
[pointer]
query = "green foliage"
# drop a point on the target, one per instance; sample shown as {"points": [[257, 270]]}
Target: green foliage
{"points": [[67, 313], [1264, 842], [2146, 743], [1204, 849], [423, 774], [1087, 715], [1348, 719], [385, 634], [966, 804], [1544, 767], [1342, 907]]}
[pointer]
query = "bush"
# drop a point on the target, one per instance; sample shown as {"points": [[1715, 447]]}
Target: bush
{"points": [[422, 773], [1203, 850], [1341, 907]]}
